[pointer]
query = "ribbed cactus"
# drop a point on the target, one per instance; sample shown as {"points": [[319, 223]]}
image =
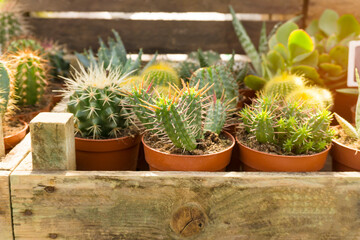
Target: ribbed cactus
{"points": [[161, 74], [283, 84], [179, 118], [312, 96], [12, 23], [96, 102], [7, 94], [222, 81], [23, 44], [30, 77], [292, 126]]}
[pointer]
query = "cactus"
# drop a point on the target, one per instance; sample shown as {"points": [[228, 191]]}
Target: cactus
{"points": [[30, 77], [179, 118], [221, 79], [312, 96], [11, 22], [22, 44], [294, 127], [55, 54], [96, 101], [284, 84], [113, 56], [7, 94], [161, 74]]}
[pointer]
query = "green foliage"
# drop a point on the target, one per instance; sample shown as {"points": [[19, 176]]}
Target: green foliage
{"points": [[221, 80], [332, 34], [10, 26], [112, 55], [179, 118], [96, 101], [22, 44], [293, 126], [4, 89], [30, 77]]}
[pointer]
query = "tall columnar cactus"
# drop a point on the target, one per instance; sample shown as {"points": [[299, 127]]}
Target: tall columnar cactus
{"points": [[179, 118], [283, 84], [7, 94], [11, 22], [221, 79], [292, 126], [161, 74], [30, 77], [97, 102]]}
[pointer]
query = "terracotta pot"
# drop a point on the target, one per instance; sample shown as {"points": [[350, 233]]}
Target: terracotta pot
{"points": [[55, 99], [345, 158], [235, 163], [116, 154], [246, 97], [342, 106], [12, 140], [254, 160], [29, 116], [215, 162]]}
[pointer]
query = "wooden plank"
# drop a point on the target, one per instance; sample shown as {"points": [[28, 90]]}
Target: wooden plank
{"points": [[243, 6], [175, 205], [316, 8], [5, 210], [164, 36], [16, 155]]}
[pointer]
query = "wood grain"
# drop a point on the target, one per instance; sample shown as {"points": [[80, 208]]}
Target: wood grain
{"points": [[5, 210], [162, 36], [179, 205], [243, 6]]}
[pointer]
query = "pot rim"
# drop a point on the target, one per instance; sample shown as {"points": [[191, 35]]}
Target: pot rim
{"points": [[24, 129], [343, 145], [288, 156], [106, 140], [193, 156]]}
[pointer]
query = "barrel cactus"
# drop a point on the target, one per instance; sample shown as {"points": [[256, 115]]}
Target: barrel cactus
{"points": [[161, 74], [22, 44], [179, 118], [283, 84], [30, 72], [292, 126], [11, 22], [312, 96], [222, 80], [96, 101]]}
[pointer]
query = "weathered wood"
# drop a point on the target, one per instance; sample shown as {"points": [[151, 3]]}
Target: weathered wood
{"points": [[176, 205], [5, 210], [316, 8], [16, 155], [164, 36], [243, 6], [2, 143], [53, 142]]}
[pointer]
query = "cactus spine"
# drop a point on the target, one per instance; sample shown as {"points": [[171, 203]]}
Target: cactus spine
{"points": [[312, 96], [23, 44], [284, 84], [30, 77], [161, 74]]}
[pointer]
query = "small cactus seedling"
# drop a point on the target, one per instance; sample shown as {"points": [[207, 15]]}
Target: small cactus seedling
{"points": [[97, 102], [349, 129], [180, 118], [30, 76], [11, 22], [292, 126], [161, 74], [221, 79], [284, 84]]}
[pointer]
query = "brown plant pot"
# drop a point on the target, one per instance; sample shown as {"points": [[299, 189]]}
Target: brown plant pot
{"points": [[235, 163], [118, 154], [342, 106], [12, 140], [246, 97], [29, 116], [215, 162], [254, 160], [55, 99], [345, 158]]}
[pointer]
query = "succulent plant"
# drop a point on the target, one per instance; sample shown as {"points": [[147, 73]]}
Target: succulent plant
{"points": [[96, 101], [284, 84], [22, 44], [55, 54], [349, 129], [7, 94], [332, 34], [221, 80], [292, 126], [112, 56], [312, 96], [179, 118], [30, 72], [161, 74], [11, 22]]}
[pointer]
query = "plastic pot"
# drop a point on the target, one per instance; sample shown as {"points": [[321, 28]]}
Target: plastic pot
{"points": [[345, 158]]}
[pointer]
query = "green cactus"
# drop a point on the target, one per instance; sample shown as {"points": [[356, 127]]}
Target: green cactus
{"points": [[284, 84], [96, 101], [312, 96], [294, 127], [55, 54], [30, 77], [222, 81], [113, 55], [179, 118], [161, 74], [7, 97], [23, 44]]}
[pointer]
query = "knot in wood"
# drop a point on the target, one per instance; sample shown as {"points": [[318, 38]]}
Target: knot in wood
{"points": [[188, 220], [49, 189], [53, 235], [28, 212]]}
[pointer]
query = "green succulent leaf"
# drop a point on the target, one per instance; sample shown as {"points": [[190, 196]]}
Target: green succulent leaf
{"points": [[308, 72], [254, 82], [328, 22], [332, 69], [313, 27], [299, 43], [284, 31], [324, 58], [263, 46], [275, 61], [340, 55], [349, 91], [348, 128], [282, 50], [311, 60], [347, 25]]}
